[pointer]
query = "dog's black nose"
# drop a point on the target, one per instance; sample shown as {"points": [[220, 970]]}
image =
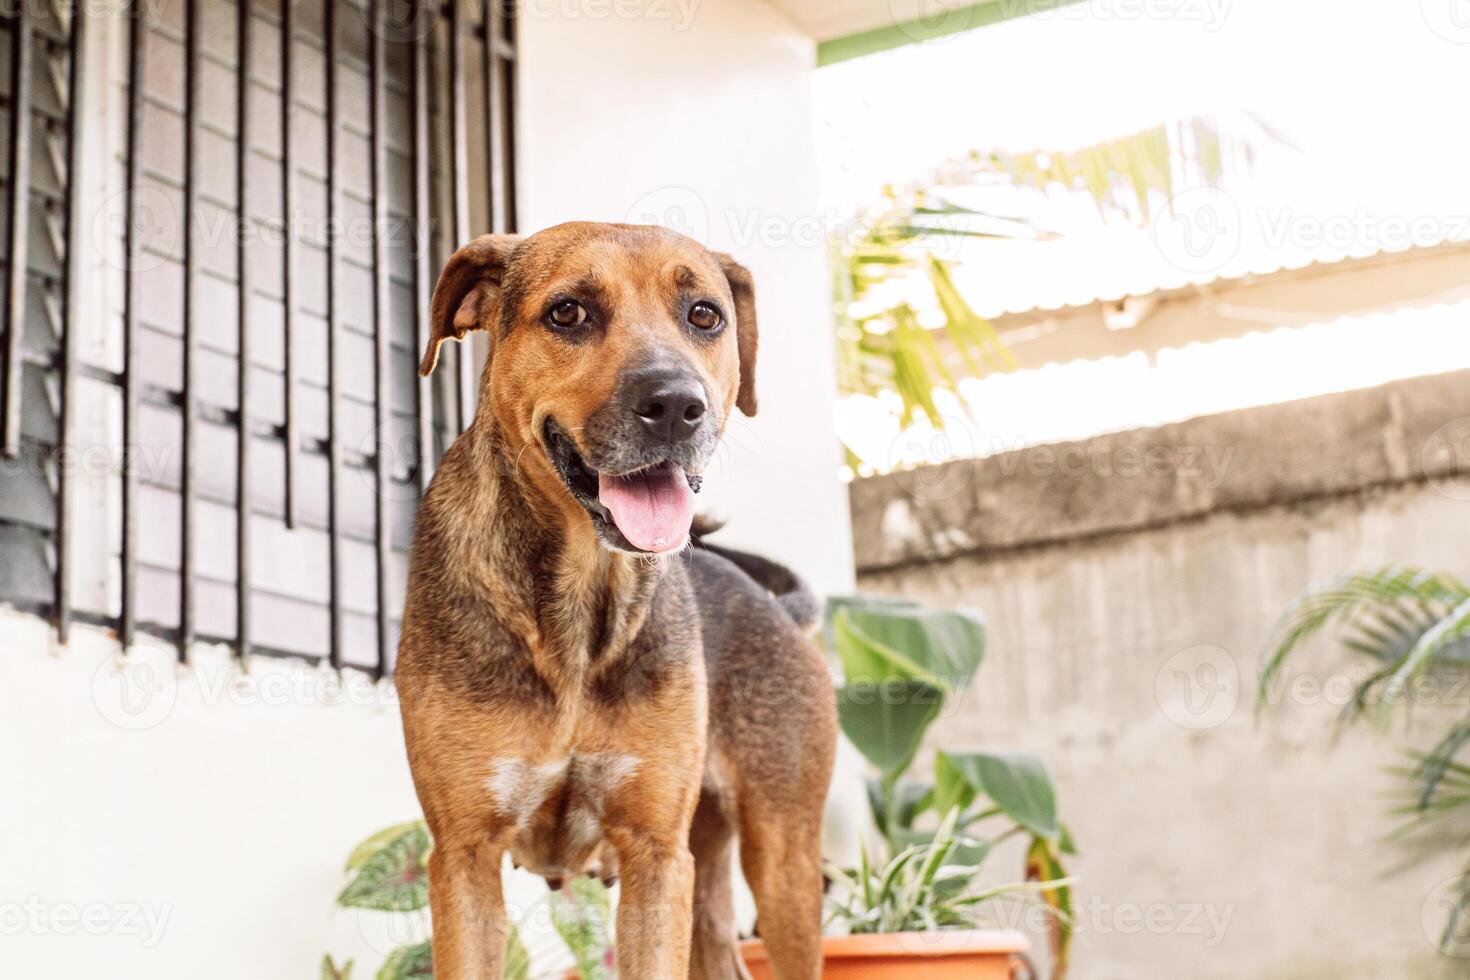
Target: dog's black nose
{"points": [[670, 406]]}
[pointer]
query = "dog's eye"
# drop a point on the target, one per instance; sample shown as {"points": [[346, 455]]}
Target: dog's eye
{"points": [[705, 316], [568, 314]]}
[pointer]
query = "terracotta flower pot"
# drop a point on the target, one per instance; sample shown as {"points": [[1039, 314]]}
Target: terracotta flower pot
{"points": [[969, 954]]}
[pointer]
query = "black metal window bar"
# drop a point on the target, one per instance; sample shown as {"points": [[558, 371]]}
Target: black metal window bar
{"points": [[294, 173]]}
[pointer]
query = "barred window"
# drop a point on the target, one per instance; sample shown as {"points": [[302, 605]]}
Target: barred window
{"points": [[218, 264]]}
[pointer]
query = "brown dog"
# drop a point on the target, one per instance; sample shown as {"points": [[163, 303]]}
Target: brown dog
{"points": [[579, 690]]}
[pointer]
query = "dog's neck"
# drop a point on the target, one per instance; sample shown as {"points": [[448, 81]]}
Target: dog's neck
{"points": [[529, 552]]}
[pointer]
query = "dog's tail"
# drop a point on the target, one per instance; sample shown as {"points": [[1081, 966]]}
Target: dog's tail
{"points": [[790, 589]]}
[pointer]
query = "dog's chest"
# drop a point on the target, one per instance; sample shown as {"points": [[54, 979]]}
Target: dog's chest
{"points": [[558, 807]]}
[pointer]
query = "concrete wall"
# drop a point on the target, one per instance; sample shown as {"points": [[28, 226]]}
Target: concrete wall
{"points": [[164, 823], [1127, 613]]}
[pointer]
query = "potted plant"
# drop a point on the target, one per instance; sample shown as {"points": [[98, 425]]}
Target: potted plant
{"points": [[917, 909]]}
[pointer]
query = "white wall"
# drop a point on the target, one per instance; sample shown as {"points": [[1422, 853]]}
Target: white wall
{"points": [[167, 823], [697, 116], [162, 822]]}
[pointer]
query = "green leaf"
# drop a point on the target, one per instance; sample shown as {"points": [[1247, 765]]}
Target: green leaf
{"points": [[517, 958], [581, 915], [1017, 783], [331, 971], [365, 851], [1044, 865], [923, 887], [414, 962], [393, 878], [887, 722], [900, 661], [1438, 767], [1405, 602], [1452, 628], [880, 638], [907, 799]]}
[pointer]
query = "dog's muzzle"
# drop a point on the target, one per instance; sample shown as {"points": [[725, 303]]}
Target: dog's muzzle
{"points": [[634, 466]]}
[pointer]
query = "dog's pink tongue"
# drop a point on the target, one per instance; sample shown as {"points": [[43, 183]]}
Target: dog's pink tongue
{"points": [[653, 509]]}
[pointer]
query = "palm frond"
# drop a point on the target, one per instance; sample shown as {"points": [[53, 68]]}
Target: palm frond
{"points": [[1453, 935], [1443, 635], [1438, 764], [892, 248], [1391, 593]]}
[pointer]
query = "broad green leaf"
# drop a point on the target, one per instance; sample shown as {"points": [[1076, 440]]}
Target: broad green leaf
{"points": [[394, 878], [887, 723], [879, 638], [362, 852], [1017, 783], [415, 962]]}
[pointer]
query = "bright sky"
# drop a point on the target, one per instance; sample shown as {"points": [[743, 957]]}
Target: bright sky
{"points": [[1370, 94], [1369, 85]]}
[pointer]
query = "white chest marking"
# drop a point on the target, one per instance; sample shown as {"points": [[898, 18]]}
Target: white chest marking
{"points": [[519, 788]]}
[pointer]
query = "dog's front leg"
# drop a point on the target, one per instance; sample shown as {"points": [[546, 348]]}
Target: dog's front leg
{"points": [[468, 902], [656, 766], [655, 911]]}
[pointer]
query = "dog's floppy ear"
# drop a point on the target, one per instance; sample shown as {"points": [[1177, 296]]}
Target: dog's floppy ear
{"points": [[470, 278], [742, 287]]}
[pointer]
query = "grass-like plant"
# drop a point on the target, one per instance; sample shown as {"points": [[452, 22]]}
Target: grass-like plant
{"points": [[1408, 622], [923, 888]]}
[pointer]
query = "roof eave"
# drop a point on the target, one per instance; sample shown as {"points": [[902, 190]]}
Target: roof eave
{"points": [[954, 21]]}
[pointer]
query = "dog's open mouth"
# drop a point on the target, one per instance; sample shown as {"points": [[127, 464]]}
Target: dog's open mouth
{"points": [[651, 507]]}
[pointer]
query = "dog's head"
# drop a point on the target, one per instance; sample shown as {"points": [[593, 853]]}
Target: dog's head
{"points": [[617, 353]]}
